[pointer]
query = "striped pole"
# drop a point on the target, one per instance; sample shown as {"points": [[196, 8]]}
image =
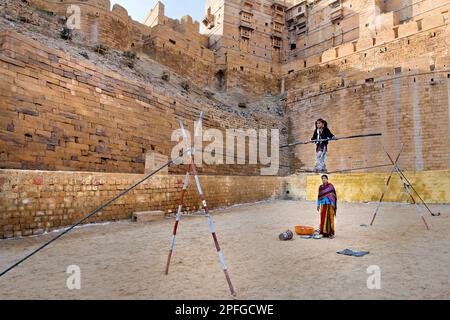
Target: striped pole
{"points": [[212, 229], [386, 186], [188, 150], [177, 221], [192, 170]]}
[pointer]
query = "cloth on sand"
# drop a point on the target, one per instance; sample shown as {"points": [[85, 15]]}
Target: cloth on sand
{"points": [[349, 252]]}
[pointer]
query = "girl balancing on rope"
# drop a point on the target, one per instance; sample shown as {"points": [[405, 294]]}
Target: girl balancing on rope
{"points": [[327, 207], [321, 132]]}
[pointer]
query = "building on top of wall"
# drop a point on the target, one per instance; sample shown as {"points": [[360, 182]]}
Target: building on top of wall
{"points": [[253, 43], [99, 23], [250, 45]]}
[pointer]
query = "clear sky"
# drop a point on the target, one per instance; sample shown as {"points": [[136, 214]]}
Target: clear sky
{"points": [[175, 9]]}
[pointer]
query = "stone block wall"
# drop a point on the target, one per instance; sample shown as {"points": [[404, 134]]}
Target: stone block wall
{"points": [[99, 23], [32, 202], [433, 187], [400, 88], [58, 112]]}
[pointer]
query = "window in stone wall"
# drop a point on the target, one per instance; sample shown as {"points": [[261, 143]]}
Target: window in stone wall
{"points": [[277, 42], [246, 33], [246, 17], [419, 25], [221, 81]]}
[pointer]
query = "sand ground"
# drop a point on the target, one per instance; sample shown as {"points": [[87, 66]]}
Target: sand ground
{"points": [[126, 260]]}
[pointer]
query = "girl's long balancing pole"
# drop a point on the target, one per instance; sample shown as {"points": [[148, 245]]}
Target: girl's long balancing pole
{"points": [[335, 139], [87, 217]]}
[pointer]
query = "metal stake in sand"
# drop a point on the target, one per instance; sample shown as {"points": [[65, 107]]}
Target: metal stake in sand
{"points": [[192, 170]]}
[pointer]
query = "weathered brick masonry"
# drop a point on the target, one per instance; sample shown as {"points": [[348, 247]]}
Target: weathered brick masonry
{"points": [[34, 201], [399, 88], [61, 113], [364, 65], [99, 23]]}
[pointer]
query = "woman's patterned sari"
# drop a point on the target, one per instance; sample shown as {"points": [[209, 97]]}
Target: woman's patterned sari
{"points": [[327, 202]]}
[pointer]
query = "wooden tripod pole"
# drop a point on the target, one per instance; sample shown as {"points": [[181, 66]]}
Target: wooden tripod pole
{"points": [[386, 185], [415, 191], [407, 185]]}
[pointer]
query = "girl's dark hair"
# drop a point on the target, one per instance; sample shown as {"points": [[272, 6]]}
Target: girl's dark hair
{"points": [[325, 124], [324, 176]]}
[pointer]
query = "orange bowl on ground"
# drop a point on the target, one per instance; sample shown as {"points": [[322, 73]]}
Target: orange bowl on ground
{"points": [[304, 231]]}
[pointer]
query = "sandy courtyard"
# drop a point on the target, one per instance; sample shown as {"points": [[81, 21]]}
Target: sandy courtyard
{"points": [[126, 260]]}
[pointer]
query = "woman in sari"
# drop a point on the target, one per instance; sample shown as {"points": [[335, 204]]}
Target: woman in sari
{"points": [[327, 207]]}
